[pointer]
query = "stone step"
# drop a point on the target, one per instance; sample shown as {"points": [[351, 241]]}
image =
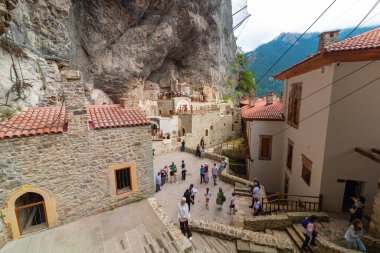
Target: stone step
{"points": [[294, 237], [209, 244], [246, 247], [269, 231], [298, 229]]}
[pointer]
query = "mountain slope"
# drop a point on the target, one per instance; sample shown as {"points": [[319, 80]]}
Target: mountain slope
{"points": [[265, 55]]}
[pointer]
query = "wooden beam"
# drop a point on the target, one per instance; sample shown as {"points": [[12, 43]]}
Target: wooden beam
{"points": [[376, 150], [371, 156]]}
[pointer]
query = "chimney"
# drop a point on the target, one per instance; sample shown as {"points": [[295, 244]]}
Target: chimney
{"points": [[269, 98], [327, 38]]}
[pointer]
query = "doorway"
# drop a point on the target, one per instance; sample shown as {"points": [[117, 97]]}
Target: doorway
{"points": [[183, 132], [352, 189], [31, 213]]}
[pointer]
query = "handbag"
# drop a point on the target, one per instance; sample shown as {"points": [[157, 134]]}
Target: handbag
{"points": [[352, 210]]}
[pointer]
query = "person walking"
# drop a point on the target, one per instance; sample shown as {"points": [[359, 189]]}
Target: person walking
{"points": [[232, 204], [208, 196], [173, 173], [198, 151], [202, 173], [193, 192], [158, 182], [206, 177], [166, 169], [206, 167], [183, 171], [214, 172], [163, 177], [220, 198], [183, 216], [310, 231], [222, 165], [255, 192], [183, 145], [353, 234], [189, 199], [357, 210]]}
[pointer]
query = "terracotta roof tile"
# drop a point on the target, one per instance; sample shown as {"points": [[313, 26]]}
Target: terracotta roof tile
{"points": [[34, 121], [106, 116], [261, 111]]}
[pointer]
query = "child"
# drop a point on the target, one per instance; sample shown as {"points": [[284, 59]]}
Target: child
{"points": [[205, 177], [232, 204], [208, 196]]}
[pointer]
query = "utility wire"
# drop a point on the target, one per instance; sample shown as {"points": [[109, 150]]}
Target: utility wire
{"points": [[361, 21], [325, 107], [275, 63]]}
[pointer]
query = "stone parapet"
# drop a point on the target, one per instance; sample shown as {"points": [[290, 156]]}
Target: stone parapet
{"points": [[325, 246], [182, 241], [232, 233], [297, 217], [260, 223], [372, 244]]}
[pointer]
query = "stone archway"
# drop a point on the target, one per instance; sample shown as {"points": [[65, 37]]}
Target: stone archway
{"points": [[9, 208]]}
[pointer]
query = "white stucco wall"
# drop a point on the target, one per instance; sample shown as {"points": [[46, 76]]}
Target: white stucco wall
{"points": [[267, 171], [309, 139], [353, 122], [168, 125]]}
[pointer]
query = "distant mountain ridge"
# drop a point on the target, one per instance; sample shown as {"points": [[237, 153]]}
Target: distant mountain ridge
{"points": [[265, 55]]}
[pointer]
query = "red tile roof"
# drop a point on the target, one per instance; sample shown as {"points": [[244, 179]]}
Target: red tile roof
{"points": [[365, 42], [105, 116], [261, 111], [35, 121]]}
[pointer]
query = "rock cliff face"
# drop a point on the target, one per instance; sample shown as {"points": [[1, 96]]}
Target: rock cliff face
{"points": [[120, 44]]}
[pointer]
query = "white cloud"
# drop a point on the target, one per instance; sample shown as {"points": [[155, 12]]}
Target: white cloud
{"points": [[271, 17]]}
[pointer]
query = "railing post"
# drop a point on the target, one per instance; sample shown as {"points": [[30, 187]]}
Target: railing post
{"points": [[320, 202]]}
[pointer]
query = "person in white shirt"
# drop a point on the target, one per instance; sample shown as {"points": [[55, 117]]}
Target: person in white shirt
{"points": [[353, 234], [255, 192], [183, 218], [232, 204], [208, 196]]}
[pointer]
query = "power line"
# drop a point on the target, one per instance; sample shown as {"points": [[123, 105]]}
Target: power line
{"points": [[274, 64], [361, 21], [329, 105]]}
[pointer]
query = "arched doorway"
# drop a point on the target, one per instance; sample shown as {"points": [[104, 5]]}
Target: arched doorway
{"points": [[19, 199], [183, 132], [31, 213]]}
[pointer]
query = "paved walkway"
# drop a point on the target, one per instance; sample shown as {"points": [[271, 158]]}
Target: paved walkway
{"points": [[133, 228], [171, 193]]}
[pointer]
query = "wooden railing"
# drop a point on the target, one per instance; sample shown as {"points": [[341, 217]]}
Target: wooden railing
{"points": [[292, 203]]}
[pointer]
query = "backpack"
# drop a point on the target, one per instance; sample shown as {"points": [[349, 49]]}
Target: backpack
{"points": [[305, 222], [223, 198]]}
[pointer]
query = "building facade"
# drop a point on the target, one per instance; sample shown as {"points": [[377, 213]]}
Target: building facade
{"points": [[331, 110], [263, 126], [62, 163]]}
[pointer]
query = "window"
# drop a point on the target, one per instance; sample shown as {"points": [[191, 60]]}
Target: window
{"points": [[211, 127], [289, 157], [123, 180], [206, 132], [265, 147], [294, 104], [306, 169]]}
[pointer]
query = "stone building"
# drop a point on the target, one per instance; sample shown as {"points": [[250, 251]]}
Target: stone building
{"points": [[61, 163]]}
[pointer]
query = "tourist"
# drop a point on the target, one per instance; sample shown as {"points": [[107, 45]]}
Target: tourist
{"points": [[220, 198], [310, 231], [255, 192], [183, 171], [353, 234], [208, 196], [183, 145], [222, 165], [173, 173], [158, 181], [206, 177], [206, 167], [163, 177], [257, 208], [189, 199], [202, 173], [203, 153], [214, 172], [198, 151], [166, 169], [357, 210], [232, 204], [183, 218], [193, 192]]}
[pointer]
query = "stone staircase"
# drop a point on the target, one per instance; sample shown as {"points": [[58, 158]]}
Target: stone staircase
{"points": [[296, 235], [145, 242], [208, 244]]}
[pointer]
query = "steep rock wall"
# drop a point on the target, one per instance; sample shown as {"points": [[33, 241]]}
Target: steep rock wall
{"points": [[118, 45]]}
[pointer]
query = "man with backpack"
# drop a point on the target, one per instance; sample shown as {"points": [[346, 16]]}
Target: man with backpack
{"points": [[309, 230]]}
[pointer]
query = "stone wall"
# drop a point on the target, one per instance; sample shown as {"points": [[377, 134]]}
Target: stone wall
{"points": [[165, 106], [260, 223], [374, 227], [165, 146], [4, 234]]}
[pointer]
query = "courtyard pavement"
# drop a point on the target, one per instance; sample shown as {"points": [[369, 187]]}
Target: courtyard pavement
{"points": [[171, 193], [133, 228]]}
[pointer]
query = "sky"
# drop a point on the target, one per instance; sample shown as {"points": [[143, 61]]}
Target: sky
{"points": [[271, 17]]}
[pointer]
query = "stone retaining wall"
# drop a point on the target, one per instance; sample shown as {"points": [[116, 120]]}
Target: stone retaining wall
{"points": [[260, 223], [325, 246], [372, 244], [4, 235], [165, 146], [232, 233], [173, 228]]}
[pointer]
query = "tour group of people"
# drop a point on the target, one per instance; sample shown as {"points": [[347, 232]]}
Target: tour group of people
{"points": [[169, 174]]}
